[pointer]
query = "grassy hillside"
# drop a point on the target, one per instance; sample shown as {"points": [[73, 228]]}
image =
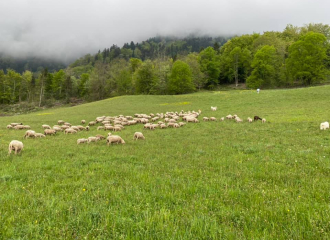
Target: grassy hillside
{"points": [[211, 180]]}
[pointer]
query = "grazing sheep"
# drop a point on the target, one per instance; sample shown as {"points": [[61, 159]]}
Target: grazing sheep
{"points": [[249, 120], [40, 135], [195, 120], [91, 123], [82, 140], [9, 126], [206, 119], [176, 125], [182, 124], [170, 124], [75, 128], [263, 120], [116, 128], [256, 118], [229, 116], [15, 145], [222, 119], [100, 128], [111, 128], [132, 122], [45, 126], [92, 139], [162, 126], [114, 139], [138, 135], [324, 125], [68, 124], [237, 119], [109, 134], [65, 127], [29, 133], [87, 128], [58, 129], [150, 126], [100, 136], [15, 124], [213, 119], [83, 121], [26, 127], [213, 108], [60, 122], [49, 132], [69, 130]]}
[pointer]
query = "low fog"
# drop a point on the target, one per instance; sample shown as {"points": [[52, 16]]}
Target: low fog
{"points": [[66, 30]]}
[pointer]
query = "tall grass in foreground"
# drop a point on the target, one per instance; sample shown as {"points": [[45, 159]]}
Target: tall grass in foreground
{"points": [[212, 180]]}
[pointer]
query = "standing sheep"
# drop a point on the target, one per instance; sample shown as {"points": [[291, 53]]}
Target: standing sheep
{"points": [[40, 135], [263, 120], [49, 132], [82, 140], [138, 135], [92, 139], [83, 121], [324, 125], [15, 145], [114, 139], [29, 133]]}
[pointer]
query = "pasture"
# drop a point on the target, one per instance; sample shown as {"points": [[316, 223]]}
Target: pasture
{"points": [[207, 180]]}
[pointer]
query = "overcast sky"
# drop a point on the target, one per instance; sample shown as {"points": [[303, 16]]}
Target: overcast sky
{"points": [[68, 29]]}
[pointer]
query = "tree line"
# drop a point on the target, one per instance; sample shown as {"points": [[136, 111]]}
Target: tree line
{"points": [[295, 56]]}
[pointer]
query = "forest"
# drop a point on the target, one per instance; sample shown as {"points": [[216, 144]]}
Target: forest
{"points": [[297, 56]]}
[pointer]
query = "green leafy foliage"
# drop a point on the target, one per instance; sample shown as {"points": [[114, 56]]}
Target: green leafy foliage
{"points": [[180, 81], [306, 61]]}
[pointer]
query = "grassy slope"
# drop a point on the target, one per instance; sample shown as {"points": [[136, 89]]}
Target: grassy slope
{"points": [[209, 180]]}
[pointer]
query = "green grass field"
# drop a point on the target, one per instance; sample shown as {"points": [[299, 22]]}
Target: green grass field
{"points": [[210, 180]]}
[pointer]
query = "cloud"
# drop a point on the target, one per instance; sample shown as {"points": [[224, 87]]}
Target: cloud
{"points": [[67, 29]]}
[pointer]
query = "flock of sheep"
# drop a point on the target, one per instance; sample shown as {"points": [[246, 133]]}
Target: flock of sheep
{"points": [[117, 123]]}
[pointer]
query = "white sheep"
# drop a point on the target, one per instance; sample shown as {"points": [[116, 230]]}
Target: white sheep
{"points": [[229, 116], [29, 133], [15, 124], [222, 119], [162, 126], [82, 140], [213, 119], [114, 139], [69, 130], [250, 120], [138, 135], [60, 122], [93, 139], [109, 134], [206, 119], [40, 135], [213, 108], [263, 120], [45, 126], [91, 123], [324, 125], [15, 145], [83, 121], [58, 129], [237, 119], [9, 126], [49, 132]]}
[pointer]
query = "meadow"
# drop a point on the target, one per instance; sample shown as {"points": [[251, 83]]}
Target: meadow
{"points": [[207, 180]]}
